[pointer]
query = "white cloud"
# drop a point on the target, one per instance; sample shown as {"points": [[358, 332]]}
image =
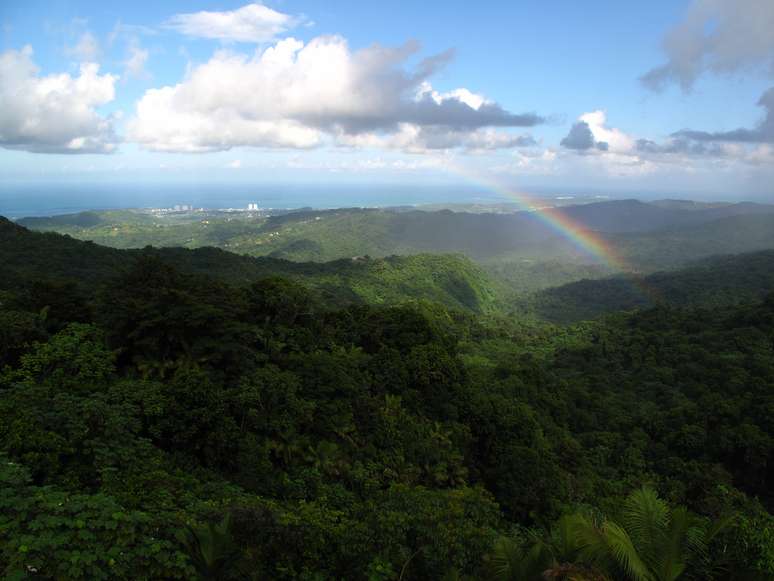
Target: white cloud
{"points": [[721, 36], [590, 134], [236, 164], [362, 165], [134, 65], [762, 155], [472, 100], [617, 141], [744, 145], [417, 139], [622, 164], [594, 153], [762, 133], [567, 163], [86, 49], [295, 95], [53, 113], [251, 23], [530, 162]]}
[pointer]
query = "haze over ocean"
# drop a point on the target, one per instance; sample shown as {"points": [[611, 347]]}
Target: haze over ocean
{"points": [[19, 200]]}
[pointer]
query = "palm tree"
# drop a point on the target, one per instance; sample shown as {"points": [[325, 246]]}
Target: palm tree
{"points": [[212, 549], [512, 560], [652, 542], [554, 557]]}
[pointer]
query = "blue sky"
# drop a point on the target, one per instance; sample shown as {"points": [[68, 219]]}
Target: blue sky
{"points": [[534, 95]]}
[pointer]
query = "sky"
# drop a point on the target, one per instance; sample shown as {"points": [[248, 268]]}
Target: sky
{"points": [[672, 97]]}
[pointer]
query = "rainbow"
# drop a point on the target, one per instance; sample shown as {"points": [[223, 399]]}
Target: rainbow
{"points": [[588, 241]]}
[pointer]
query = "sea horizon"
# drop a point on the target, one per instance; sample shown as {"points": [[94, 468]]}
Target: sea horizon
{"points": [[22, 200]]}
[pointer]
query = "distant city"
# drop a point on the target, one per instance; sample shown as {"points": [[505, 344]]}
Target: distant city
{"points": [[251, 207]]}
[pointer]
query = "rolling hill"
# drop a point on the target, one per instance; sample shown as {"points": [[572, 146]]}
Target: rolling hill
{"points": [[451, 280], [712, 282], [650, 236]]}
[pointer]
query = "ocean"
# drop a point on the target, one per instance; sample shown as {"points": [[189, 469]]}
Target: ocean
{"points": [[20, 200]]}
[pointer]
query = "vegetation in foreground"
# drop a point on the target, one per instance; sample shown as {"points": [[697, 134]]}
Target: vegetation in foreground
{"points": [[160, 424]]}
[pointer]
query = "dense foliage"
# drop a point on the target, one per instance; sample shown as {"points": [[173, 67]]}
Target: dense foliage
{"points": [[452, 280], [712, 282], [157, 423]]}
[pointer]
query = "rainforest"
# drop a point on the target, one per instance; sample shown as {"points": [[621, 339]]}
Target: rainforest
{"points": [[440, 290], [174, 413]]}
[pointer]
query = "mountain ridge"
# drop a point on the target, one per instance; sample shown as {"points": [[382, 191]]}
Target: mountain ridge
{"points": [[323, 235], [451, 280]]}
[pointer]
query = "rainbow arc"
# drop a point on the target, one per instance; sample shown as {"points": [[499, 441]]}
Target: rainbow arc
{"points": [[590, 242]]}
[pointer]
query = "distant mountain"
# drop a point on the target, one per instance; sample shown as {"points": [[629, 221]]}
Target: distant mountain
{"points": [[624, 216], [676, 246], [451, 280], [716, 281], [317, 235], [687, 204]]}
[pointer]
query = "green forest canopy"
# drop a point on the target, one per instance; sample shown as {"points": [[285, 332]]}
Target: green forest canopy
{"points": [[156, 422]]}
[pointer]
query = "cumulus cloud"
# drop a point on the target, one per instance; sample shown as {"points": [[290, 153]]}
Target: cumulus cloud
{"points": [[612, 139], [579, 137], [294, 95], [250, 23], [679, 146], [590, 132], [53, 113], [610, 153], [703, 156], [721, 36], [418, 139], [763, 133], [617, 153], [723, 148]]}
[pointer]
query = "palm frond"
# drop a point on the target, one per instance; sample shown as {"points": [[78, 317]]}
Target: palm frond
{"points": [[565, 544], [212, 548], [622, 548], [589, 538], [645, 518], [515, 561], [682, 539]]}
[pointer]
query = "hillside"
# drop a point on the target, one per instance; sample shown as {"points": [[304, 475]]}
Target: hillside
{"points": [[649, 236], [450, 280], [156, 423], [558, 291], [673, 247], [712, 282]]}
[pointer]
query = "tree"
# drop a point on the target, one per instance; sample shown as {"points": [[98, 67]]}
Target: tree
{"points": [[650, 541], [213, 551]]}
